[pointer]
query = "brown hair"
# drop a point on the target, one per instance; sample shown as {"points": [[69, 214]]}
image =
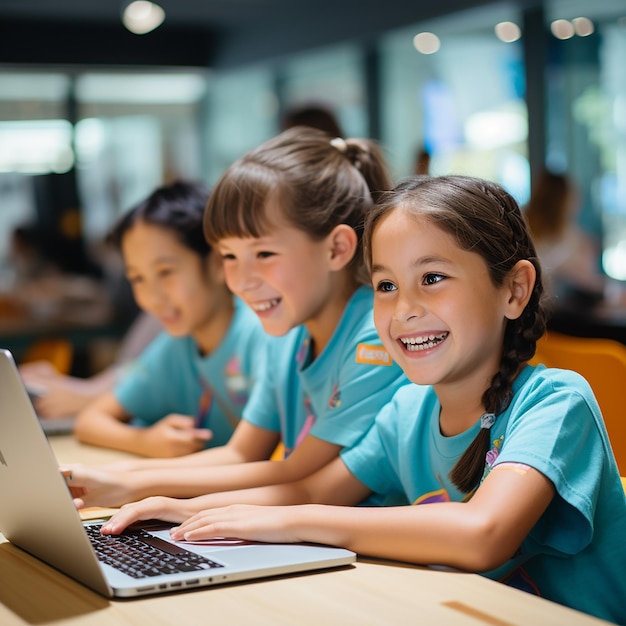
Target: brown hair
{"points": [[483, 218], [318, 183]]}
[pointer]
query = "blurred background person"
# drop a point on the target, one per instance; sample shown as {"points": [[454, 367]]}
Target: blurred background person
{"points": [[313, 116], [422, 161], [569, 256]]}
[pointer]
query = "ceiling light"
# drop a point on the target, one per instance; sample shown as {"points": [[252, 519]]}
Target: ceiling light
{"points": [[583, 26], [141, 17], [562, 29], [426, 43], [508, 31]]}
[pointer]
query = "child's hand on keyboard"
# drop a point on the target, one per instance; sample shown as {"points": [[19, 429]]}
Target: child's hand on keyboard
{"points": [[156, 507]]}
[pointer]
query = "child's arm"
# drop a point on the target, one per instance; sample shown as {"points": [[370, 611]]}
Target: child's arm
{"points": [[183, 476], [333, 484], [247, 443], [311, 455], [103, 423], [477, 535], [62, 395]]}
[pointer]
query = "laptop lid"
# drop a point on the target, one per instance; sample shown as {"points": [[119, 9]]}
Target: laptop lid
{"points": [[38, 515]]}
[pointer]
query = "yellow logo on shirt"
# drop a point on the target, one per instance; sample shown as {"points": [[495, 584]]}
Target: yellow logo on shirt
{"points": [[372, 355]]}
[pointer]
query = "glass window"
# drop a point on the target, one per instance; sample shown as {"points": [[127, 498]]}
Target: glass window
{"points": [[125, 133], [135, 131], [35, 138], [586, 90], [332, 78], [240, 113], [452, 87]]}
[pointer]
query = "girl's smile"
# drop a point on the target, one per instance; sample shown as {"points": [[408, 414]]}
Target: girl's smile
{"points": [[288, 279], [275, 276], [422, 343], [265, 307]]}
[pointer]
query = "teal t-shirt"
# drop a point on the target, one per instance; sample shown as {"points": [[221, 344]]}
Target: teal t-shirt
{"points": [[171, 376], [334, 397], [576, 553]]}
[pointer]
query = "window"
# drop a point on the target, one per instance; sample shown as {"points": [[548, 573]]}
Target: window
{"points": [[462, 98]]}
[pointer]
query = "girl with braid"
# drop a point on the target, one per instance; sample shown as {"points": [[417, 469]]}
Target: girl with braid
{"points": [[508, 466]]}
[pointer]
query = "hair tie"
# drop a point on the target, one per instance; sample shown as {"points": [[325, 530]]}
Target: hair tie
{"points": [[340, 144], [487, 420]]}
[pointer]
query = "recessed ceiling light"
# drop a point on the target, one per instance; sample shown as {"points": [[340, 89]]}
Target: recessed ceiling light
{"points": [[508, 31], [141, 17], [562, 29], [426, 43], [583, 26]]}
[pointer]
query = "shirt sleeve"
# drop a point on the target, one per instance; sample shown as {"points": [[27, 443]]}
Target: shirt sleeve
{"points": [[370, 458], [364, 388], [262, 407], [144, 390], [559, 435]]}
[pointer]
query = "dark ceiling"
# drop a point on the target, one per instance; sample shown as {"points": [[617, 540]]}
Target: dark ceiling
{"points": [[205, 33]]}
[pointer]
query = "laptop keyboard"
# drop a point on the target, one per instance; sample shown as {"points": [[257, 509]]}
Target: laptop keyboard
{"points": [[140, 554]]}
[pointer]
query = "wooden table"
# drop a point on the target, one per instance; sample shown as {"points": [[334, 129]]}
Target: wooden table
{"points": [[369, 592]]}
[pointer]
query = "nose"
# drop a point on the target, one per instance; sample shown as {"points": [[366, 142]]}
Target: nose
{"points": [[408, 307], [241, 277], [150, 296]]}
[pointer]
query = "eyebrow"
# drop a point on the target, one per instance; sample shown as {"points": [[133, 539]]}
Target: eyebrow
{"points": [[425, 260]]}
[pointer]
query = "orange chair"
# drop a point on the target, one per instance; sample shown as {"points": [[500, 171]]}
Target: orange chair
{"points": [[603, 363], [58, 352]]}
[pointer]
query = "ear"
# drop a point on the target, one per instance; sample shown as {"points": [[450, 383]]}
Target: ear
{"points": [[520, 284], [342, 245]]}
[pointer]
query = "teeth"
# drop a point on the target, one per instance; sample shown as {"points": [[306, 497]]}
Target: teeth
{"points": [[415, 344], [265, 306]]}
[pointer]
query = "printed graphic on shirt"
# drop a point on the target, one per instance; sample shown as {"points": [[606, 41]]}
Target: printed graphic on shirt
{"points": [[335, 398], [235, 382], [519, 579], [306, 428], [372, 355], [491, 456], [303, 351], [440, 495]]}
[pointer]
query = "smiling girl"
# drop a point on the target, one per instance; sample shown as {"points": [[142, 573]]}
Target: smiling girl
{"points": [[287, 220]]}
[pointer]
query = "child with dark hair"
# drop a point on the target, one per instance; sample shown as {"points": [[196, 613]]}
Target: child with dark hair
{"points": [[187, 390]]}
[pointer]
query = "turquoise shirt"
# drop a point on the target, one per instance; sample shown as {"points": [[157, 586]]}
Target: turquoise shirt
{"points": [[334, 397], [171, 376], [576, 553]]}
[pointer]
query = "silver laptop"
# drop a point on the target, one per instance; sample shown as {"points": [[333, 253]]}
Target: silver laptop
{"points": [[37, 514]]}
